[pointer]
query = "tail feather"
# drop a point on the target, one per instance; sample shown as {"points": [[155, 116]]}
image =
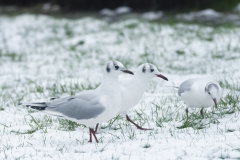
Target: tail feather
{"points": [[36, 105]]}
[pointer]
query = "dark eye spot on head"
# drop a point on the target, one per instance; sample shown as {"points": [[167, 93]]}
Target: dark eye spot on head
{"points": [[108, 68], [209, 86], [144, 69], [116, 67], [151, 68]]}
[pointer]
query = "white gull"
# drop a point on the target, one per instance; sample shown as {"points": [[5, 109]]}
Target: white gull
{"points": [[133, 87], [200, 93], [92, 106]]}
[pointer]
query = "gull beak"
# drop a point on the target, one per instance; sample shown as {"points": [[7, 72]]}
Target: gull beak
{"points": [[127, 71], [161, 76], [215, 101]]}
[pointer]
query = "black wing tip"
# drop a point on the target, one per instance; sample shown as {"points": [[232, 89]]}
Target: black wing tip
{"points": [[37, 108], [32, 106], [53, 98]]}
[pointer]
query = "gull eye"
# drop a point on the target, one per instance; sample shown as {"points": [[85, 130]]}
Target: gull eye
{"points": [[152, 70], [209, 93], [116, 67]]}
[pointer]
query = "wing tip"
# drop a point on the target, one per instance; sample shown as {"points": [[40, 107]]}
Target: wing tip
{"points": [[37, 108], [40, 106]]}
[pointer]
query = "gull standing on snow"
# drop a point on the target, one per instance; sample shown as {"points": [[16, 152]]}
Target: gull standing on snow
{"points": [[92, 106], [133, 88], [200, 93]]}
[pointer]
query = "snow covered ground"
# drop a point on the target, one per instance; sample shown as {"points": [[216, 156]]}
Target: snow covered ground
{"points": [[41, 57], [212, 16]]}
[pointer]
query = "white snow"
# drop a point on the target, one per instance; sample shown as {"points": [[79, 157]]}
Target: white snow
{"points": [[151, 15], [118, 11], [207, 13], [107, 12], [42, 56], [123, 10], [47, 6], [210, 15]]}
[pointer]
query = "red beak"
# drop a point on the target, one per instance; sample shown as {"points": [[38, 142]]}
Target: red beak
{"points": [[161, 76], [127, 71], [215, 101]]}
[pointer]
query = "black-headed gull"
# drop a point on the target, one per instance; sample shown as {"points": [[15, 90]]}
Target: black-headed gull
{"points": [[92, 106], [200, 93], [133, 88]]}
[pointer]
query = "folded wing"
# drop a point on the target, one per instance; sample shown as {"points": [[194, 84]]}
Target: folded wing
{"points": [[77, 108], [186, 86], [80, 107]]}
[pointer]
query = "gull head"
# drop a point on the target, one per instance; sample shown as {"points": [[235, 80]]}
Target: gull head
{"points": [[149, 71], [213, 92], [116, 68]]}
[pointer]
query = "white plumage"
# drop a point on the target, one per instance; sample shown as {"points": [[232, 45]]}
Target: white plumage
{"points": [[92, 106], [133, 87], [200, 93]]}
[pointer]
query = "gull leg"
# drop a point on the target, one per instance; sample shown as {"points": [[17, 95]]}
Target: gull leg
{"points": [[94, 134], [90, 132], [201, 112], [138, 127], [187, 112], [96, 128]]}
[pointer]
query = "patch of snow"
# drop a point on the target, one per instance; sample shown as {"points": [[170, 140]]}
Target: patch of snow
{"points": [[117, 12], [46, 6], [123, 10], [152, 15], [107, 12], [49, 7], [210, 15], [207, 13], [233, 17]]}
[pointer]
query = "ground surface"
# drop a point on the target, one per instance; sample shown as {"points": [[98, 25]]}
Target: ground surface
{"points": [[42, 57]]}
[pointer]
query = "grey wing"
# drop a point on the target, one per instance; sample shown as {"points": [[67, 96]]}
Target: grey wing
{"points": [[186, 86], [85, 95], [76, 107]]}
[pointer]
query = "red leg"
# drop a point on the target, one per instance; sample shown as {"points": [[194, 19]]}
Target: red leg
{"points": [[187, 112], [201, 112], [90, 132], [96, 128], [93, 132], [138, 127]]}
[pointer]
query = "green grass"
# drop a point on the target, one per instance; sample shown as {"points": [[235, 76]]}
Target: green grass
{"points": [[147, 145], [14, 57], [67, 125], [226, 85]]}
